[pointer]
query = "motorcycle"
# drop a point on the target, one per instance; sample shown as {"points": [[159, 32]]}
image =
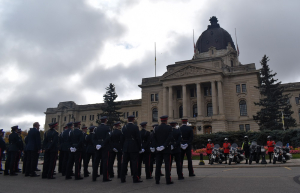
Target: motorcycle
{"points": [[235, 155], [281, 153], [216, 155], [255, 152]]}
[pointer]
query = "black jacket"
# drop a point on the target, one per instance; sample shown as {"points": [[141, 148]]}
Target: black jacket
{"points": [[176, 141], [60, 141], [84, 143], [34, 140], [90, 148], [26, 142], [51, 140], [116, 140], [76, 139], [20, 144], [65, 144], [102, 136], [13, 140], [145, 138], [2, 145], [132, 140], [187, 134], [162, 137]]}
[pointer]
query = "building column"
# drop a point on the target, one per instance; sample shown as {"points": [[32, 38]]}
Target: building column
{"points": [[165, 101], [199, 99], [184, 102], [170, 101], [220, 98], [214, 98]]}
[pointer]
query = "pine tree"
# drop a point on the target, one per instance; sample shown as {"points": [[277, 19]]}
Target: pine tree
{"points": [[273, 101], [110, 107]]}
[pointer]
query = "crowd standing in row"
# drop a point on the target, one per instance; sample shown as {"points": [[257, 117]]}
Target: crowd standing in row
{"points": [[129, 144]]}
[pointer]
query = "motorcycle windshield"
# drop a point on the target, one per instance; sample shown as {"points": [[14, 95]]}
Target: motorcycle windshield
{"points": [[253, 145], [279, 144], [234, 146], [217, 146]]}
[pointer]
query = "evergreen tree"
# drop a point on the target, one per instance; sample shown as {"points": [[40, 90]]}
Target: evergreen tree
{"points": [[110, 107], [273, 101]]}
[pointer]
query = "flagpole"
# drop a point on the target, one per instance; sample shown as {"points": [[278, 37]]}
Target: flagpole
{"points": [[237, 46], [155, 56]]}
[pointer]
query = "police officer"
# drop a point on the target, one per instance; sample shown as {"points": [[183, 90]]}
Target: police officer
{"points": [[90, 151], [84, 135], [271, 145], [209, 148], [246, 147], [33, 148], [186, 145], [76, 144], [21, 148], [66, 147], [101, 140], [176, 149], [144, 155], [131, 149], [25, 155], [12, 152], [116, 150], [61, 152], [226, 147], [50, 146], [2, 148], [162, 138]]}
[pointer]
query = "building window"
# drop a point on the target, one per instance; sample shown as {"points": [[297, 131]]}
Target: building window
{"points": [[133, 113], [98, 116], [92, 117], [137, 114], [247, 126], [127, 114], [178, 94], [154, 115], [241, 127], [124, 114], [152, 97], [297, 100], [156, 97], [65, 118], [53, 120], [231, 62], [83, 118], [238, 88], [195, 112], [209, 110], [243, 108], [207, 91], [244, 89], [192, 92], [180, 112]]}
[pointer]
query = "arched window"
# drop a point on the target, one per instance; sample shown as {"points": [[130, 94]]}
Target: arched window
{"points": [[209, 110], [154, 115], [243, 108], [231, 62], [180, 112], [195, 112]]}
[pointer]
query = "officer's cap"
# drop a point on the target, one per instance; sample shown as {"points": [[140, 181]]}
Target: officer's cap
{"points": [[77, 123], [173, 123], [131, 117], [117, 123], [226, 139], [269, 137], [1, 131], [184, 119], [15, 127], [143, 123], [164, 117], [155, 125], [52, 125], [19, 130], [83, 128], [103, 118], [91, 128], [209, 140], [65, 126], [69, 124]]}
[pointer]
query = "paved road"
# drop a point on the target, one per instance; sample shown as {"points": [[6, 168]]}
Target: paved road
{"points": [[266, 179]]}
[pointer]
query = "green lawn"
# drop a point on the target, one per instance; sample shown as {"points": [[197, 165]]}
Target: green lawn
{"points": [[295, 156]]}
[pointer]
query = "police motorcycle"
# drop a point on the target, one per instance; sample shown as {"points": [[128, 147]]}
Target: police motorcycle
{"points": [[255, 152], [216, 155], [281, 154], [235, 155]]}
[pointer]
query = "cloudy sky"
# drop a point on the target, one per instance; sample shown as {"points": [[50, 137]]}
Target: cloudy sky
{"points": [[70, 50]]}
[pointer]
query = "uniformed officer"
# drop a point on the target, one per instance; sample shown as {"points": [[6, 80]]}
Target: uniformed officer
{"points": [[61, 152], [209, 147], [90, 151], [152, 158], [176, 149], [33, 148], [25, 155], [12, 152], [101, 140], [131, 149], [50, 146], [271, 145], [246, 147], [116, 150], [144, 155], [162, 138], [21, 148], [2, 148], [66, 147], [84, 135], [186, 145], [76, 144], [226, 148]]}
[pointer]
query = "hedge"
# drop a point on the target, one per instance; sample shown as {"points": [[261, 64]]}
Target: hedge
{"points": [[291, 136]]}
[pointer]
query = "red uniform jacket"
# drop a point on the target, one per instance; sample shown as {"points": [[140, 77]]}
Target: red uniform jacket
{"points": [[226, 147], [209, 148], [271, 145]]}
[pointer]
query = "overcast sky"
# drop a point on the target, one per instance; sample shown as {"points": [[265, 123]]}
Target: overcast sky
{"points": [[70, 50]]}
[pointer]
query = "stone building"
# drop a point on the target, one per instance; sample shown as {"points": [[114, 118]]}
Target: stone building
{"points": [[213, 90]]}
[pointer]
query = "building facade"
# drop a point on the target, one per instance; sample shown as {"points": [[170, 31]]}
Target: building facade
{"points": [[213, 90]]}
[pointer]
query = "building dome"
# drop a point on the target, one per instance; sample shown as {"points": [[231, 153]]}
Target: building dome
{"points": [[214, 36]]}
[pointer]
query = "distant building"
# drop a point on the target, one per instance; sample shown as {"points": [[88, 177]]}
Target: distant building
{"points": [[213, 90]]}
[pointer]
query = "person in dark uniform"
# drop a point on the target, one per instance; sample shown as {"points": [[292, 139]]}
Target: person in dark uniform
{"points": [[90, 151], [84, 135], [66, 147], [76, 144], [176, 149], [12, 152], [246, 147], [19, 154], [186, 145], [101, 140], [162, 138], [144, 155], [152, 149], [116, 150], [33, 148], [131, 149], [50, 145], [61, 152], [25, 155], [2, 148]]}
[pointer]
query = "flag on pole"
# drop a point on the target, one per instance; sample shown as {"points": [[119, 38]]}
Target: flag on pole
{"points": [[238, 51], [194, 48]]}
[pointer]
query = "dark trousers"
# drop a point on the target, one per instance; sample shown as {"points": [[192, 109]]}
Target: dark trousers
{"points": [[49, 164], [144, 157], [18, 157], [133, 158], [74, 157], [86, 162], [112, 158], [177, 157], [270, 156], [247, 154], [60, 161], [10, 162], [159, 159], [1, 153], [24, 162], [152, 159], [188, 153], [103, 155], [225, 155], [65, 163], [31, 162], [37, 160]]}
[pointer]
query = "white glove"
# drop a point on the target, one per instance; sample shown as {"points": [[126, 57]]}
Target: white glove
{"points": [[182, 146], [158, 149], [74, 149], [98, 147], [143, 150], [115, 150], [172, 147], [71, 149], [152, 149]]}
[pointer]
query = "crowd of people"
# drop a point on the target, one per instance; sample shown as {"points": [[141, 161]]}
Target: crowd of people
{"points": [[75, 147]]}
